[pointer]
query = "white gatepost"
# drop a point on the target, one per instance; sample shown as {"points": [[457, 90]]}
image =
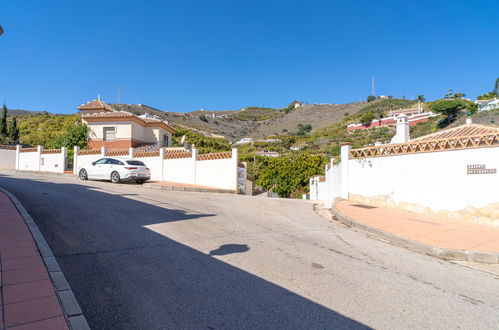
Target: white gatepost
{"points": [[235, 164], [195, 162], [103, 151], [75, 159], [131, 152], [39, 151], [161, 162], [345, 157], [64, 155], [18, 152]]}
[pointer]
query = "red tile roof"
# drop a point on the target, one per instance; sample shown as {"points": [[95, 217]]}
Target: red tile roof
{"points": [[112, 114], [97, 104]]}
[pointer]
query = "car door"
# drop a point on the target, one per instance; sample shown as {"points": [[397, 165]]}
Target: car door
{"points": [[112, 165], [98, 169]]}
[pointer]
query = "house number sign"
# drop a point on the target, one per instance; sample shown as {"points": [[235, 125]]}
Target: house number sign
{"points": [[480, 169]]}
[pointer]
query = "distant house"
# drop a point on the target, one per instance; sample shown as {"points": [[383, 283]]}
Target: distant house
{"points": [[120, 129], [245, 141], [268, 153], [486, 105]]}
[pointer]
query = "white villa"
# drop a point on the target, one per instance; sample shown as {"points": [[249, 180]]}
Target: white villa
{"points": [[485, 105], [120, 129]]}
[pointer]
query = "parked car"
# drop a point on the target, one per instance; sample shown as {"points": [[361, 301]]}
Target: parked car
{"points": [[116, 169]]}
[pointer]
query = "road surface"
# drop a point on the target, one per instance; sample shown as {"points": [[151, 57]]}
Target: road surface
{"points": [[146, 259]]}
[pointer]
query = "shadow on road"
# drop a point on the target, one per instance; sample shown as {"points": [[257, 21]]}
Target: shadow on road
{"points": [[128, 277], [229, 249]]}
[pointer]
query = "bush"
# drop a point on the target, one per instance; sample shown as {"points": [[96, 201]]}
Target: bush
{"points": [[367, 117], [371, 98], [203, 118]]}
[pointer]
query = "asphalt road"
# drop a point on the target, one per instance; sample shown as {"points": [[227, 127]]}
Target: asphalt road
{"points": [[145, 259]]}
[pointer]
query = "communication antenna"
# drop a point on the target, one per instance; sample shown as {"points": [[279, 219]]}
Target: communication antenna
{"points": [[118, 95], [372, 86]]}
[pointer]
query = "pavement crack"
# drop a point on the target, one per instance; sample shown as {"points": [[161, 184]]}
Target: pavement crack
{"points": [[143, 247]]}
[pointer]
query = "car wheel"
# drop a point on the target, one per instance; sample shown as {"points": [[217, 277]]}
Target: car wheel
{"points": [[115, 177], [83, 174]]}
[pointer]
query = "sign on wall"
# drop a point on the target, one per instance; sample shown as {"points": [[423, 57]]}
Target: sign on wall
{"points": [[480, 169]]}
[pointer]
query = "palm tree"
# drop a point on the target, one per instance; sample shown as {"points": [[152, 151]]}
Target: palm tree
{"points": [[421, 98]]}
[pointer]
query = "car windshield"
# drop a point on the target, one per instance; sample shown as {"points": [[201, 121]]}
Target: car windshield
{"points": [[135, 163]]}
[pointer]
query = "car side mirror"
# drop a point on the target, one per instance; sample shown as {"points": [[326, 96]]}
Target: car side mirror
{"points": [[93, 163]]}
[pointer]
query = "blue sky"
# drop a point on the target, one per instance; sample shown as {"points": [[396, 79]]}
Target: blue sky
{"points": [[224, 55]]}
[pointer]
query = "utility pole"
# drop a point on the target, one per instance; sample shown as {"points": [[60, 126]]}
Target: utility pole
{"points": [[372, 86], [118, 95]]}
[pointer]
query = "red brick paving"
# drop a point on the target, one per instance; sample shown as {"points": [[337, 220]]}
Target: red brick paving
{"points": [[28, 299], [429, 229]]}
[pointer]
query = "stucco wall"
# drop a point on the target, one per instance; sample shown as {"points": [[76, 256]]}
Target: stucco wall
{"points": [[7, 159], [180, 170], [52, 163], [219, 173], [437, 180], [29, 161]]}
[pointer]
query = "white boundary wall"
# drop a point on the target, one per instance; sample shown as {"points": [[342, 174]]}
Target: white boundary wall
{"points": [[437, 180], [214, 173], [328, 190], [38, 161], [7, 159], [426, 182]]}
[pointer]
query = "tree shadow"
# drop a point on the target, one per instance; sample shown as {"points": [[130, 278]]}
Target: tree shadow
{"points": [[229, 249], [128, 277]]}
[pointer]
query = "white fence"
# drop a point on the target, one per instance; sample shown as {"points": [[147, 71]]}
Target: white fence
{"points": [[460, 183], [217, 170], [38, 159], [7, 157]]}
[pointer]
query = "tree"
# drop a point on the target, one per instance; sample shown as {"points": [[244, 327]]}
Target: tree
{"points": [[3, 123], [14, 131], [77, 135], [421, 98], [487, 96], [447, 107], [371, 98]]}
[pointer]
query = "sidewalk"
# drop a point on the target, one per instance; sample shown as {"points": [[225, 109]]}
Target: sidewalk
{"points": [[28, 299], [454, 239]]}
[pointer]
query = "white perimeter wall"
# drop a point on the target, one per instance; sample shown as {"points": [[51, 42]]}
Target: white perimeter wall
{"points": [[29, 161], [181, 170], [52, 163], [219, 173], [7, 159], [216, 173], [437, 180]]}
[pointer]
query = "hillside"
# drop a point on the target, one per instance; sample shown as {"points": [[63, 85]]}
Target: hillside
{"points": [[256, 122]]}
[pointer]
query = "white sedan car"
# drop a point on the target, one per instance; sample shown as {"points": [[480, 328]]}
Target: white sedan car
{"points": [[116, 169]]}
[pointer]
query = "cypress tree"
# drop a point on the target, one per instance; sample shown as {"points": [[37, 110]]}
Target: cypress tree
{"points": [[3, 123], [14, 131]]}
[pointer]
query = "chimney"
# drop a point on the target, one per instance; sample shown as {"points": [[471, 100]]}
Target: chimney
{"points": [[402, 134], [468, 121]]}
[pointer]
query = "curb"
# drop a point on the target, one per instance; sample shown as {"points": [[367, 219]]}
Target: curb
{"points": [[442, 253], [209, 190], [49, 174], [72, 311]]}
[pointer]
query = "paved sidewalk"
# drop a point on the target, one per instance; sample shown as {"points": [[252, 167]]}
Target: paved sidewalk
{"points": [[432, 230], [28, 299]]}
